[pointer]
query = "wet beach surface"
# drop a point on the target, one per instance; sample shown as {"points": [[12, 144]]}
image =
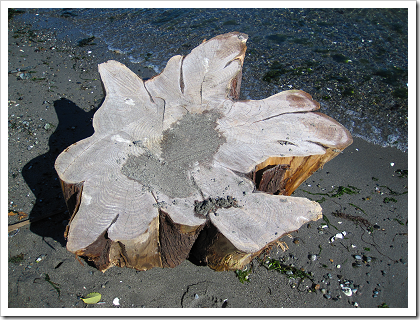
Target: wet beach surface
{"points": [[54, 90]]}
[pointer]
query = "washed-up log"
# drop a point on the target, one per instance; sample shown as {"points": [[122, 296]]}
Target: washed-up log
{"points": [[178, 168]]}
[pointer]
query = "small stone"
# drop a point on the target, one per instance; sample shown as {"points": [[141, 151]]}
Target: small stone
{"points": [[327, 296], [313, 257], [47, 126], [357, 257]]}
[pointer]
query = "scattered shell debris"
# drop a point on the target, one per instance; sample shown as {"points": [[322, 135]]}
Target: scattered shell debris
{"points": [[339, 235], [116, 301], [40, 258]]}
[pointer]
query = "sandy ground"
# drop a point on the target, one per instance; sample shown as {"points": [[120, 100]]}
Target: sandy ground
{"points": [[54, 90]]}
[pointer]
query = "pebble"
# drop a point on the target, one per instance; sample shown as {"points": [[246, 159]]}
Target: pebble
{"points": [[357, 257], [313, 257], [327, 296]]}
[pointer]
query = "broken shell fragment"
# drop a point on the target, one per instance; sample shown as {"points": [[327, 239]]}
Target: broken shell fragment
{"points": [[339, 235], [347, 291]]}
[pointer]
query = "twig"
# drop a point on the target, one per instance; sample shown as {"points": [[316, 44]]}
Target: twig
{"points": [[21, 224]]}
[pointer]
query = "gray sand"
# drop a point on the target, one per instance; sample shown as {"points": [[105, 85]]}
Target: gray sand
{"points": [[191, 139], [49, 112]]}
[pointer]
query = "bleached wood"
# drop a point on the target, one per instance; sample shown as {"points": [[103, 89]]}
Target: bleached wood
{"points": [[162, 146]]}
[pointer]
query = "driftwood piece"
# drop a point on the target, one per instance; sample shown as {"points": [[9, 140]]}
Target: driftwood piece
{"points": [[178, 168]]}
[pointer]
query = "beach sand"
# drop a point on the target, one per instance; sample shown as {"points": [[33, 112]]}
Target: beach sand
{"points": [[54, 90]]}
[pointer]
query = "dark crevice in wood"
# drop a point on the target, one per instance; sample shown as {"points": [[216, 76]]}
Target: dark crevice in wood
{"points": [[98, 252], [150, 95], [181, 76], [73, 196], [271, 178], [175, 240], [199, 251]]}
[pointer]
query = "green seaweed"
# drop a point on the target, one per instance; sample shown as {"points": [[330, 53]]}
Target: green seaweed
{"points": [[321, 200], [17, 258], [383, 305], [53, 284], [289, 271], [303, 41], [338, 192], [340, 58], [400, 93], [358, 208], [340, 78], [12, 12], [388, 200], [230, 23], [277, 38], [394, 193], [320, 249], [328, 222], [276, 70], [402, 173], [86, 42], [243, 275], [348, 92], [391, 76], [399, 221]]}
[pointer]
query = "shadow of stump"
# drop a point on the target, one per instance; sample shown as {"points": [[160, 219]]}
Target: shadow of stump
{"points": [[74, 124]]}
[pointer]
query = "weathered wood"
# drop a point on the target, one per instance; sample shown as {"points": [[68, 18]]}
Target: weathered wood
{"points": [[178, 168]]}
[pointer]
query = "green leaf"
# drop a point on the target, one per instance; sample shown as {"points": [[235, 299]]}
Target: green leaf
{"points": [[92, 298]]}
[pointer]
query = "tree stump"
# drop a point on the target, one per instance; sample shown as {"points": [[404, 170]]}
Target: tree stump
{"points": [[178, 168]]}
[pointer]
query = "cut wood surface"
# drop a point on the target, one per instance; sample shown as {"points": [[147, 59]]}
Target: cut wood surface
{"points": [[178, 168]]}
